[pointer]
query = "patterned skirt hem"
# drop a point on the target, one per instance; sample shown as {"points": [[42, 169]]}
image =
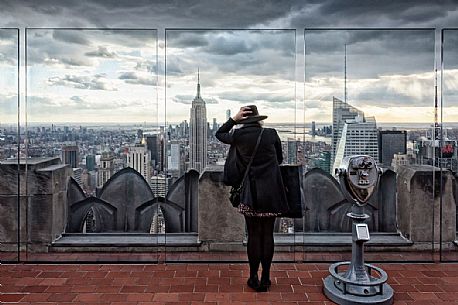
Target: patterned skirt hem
{"points": [[248, 211]]}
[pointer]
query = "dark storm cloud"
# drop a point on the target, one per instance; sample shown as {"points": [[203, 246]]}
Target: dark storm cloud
{"points": [[229, 14], [132, 38], [368, 41], [185, 39], [224, 46], [9, 34], [405, 11], [72, 47], [150, 14], [451, 49], [361, 13], [9, 47], [238, 52], [43, 48], [97, 82], [370, 53], [75, 36]]}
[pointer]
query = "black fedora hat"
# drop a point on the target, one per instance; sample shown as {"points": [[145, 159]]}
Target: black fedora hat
{"points": [[253, 116]]}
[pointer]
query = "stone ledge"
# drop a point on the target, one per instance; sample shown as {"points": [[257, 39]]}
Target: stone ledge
{"points": [[179, 242], [127, 240]]}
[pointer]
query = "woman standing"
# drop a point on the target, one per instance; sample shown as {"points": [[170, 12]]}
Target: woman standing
{"points": [[263, 198]]}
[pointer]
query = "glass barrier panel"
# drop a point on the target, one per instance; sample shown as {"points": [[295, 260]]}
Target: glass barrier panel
{"points": [[210, 74], [91, 107], [370, 92], [446, 157], [10, 147]]}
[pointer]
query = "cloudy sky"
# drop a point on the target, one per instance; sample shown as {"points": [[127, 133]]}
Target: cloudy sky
{"points": [[247, 52]]}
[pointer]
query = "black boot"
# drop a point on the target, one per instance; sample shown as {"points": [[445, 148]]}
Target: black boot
{"points": [[253, 283], [265, 280], [266, 283]]}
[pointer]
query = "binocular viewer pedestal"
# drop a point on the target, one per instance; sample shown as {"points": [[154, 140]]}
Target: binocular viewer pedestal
{"points": [[358, 283]]}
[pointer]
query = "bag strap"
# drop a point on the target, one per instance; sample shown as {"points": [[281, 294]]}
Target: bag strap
{"points": [[252, 157]]}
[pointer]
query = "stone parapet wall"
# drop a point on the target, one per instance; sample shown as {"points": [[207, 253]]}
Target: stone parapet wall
{"points": [[419, 190], [43, 207], [219, 222]]}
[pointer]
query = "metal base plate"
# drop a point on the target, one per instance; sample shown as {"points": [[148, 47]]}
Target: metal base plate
{"points": [[335, 295]]}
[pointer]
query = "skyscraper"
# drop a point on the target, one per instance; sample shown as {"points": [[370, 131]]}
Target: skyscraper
{"points": [[70, 155], [341, 112], [106, 168], [215, 126], [174, 157], [198, 130], [291, 151], [90, 162], [391, 142], [153, 145], [159, 185], [353, 133], [139, 159]]}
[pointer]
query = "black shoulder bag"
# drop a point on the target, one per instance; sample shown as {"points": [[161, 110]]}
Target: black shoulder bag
{"points": [[234, 196]]}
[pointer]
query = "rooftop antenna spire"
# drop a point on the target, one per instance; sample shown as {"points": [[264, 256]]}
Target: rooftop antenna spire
{"points": [[345, 75], [198, 82]]}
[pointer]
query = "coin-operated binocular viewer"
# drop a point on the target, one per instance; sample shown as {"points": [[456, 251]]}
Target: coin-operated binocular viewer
{"points": [[360, 283]]}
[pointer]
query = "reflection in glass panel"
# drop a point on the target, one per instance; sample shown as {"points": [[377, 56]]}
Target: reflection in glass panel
{"points": [[91, 107], [447, 156], [210, 75], [9, 144], [370, 92]]}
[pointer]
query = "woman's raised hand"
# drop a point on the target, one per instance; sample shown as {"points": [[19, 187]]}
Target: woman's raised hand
{"points": [[242, 114]]}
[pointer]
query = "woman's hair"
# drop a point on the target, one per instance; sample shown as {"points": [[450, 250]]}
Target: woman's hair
{"points": [[258, 122]]}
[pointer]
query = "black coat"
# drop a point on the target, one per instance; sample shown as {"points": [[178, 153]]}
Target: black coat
{"points": [[265, 180]]}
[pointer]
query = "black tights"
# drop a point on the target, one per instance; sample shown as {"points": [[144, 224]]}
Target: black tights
{"points": [[260, 248]]}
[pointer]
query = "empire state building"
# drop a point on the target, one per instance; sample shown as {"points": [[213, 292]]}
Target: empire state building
{"points": [[198, 133]]}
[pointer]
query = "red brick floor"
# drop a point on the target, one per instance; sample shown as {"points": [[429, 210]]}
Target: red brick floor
{"points": [[165, 256], [217, 284]]}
